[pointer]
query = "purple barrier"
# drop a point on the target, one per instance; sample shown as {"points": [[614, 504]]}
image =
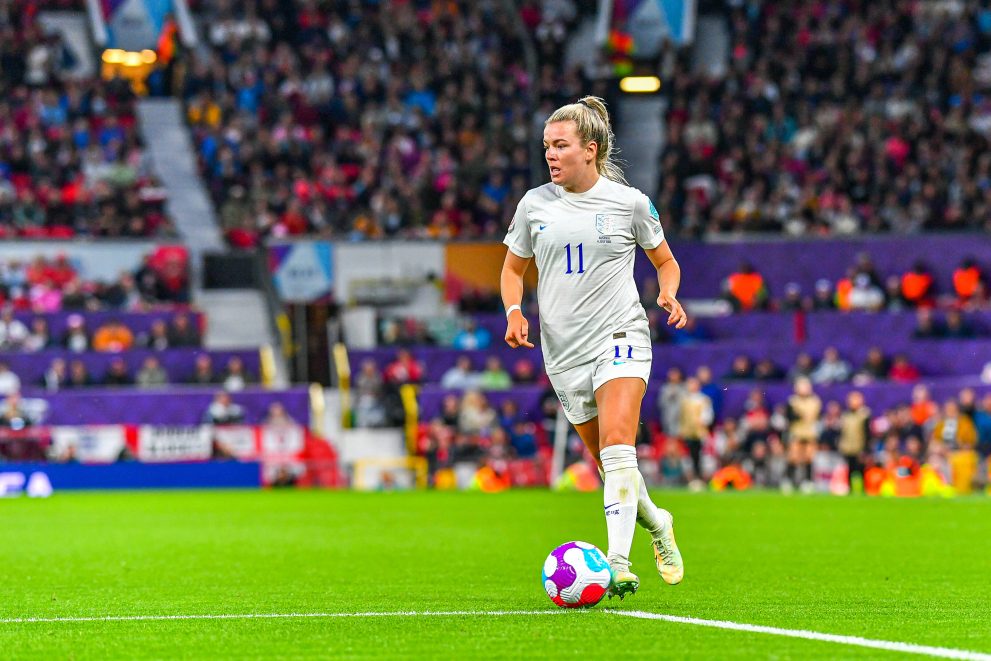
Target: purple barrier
{"points": [[821, 327], [178, 363], [174, 406], [138, 322], [879, 396], [932, 357], [431, 398], [706, 265]]}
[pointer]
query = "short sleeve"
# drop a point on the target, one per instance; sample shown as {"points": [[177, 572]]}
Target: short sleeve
{"points": [[647, 228], [518, 236]]}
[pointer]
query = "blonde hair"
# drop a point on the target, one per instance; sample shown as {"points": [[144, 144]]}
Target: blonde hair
{"points": [[592, 122]]}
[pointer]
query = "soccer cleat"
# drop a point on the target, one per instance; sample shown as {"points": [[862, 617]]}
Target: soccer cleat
{"points": [[624, 582], [666, 554]]}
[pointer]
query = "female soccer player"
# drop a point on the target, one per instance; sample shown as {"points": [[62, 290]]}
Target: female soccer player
{"points": [[583, 228]]}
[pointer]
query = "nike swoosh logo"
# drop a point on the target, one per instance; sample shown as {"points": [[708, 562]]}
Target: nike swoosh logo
{"points": [[542, 227], [619, 362], [613, 505]]}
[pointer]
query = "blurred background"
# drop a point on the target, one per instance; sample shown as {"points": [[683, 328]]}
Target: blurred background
{"points": [[258, 243]]}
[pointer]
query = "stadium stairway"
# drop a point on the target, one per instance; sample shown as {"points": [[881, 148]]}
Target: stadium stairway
{"points": [[171, 148], [238, 318]]}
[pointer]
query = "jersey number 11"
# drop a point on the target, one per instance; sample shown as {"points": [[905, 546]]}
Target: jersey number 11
{"points": [[581, 258]]}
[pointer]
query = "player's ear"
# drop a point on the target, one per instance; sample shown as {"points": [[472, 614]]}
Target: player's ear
{"points": [[591, 151]]}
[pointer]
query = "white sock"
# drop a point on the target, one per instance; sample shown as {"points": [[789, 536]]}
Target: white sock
{"points": [[648, 514], [621, 492]]}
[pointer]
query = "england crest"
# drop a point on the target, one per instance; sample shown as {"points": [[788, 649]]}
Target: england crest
{"points": [[604, 223]]}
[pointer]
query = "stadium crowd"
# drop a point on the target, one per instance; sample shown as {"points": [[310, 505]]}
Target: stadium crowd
{"points": [[71, 158], [361, 120], [835, 118]]}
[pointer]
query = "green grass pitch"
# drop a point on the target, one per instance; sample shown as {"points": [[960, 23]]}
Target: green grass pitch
{"points": [[910, 571]]}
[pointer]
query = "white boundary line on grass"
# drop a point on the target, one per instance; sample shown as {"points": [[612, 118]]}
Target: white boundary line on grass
{"points": [[893, 646], [889, 645]]}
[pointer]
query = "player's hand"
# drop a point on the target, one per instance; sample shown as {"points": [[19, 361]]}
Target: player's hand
{"points": [[676, 313], [517, 330]]}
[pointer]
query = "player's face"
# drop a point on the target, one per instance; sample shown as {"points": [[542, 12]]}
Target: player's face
{"points": [[566, 156]]}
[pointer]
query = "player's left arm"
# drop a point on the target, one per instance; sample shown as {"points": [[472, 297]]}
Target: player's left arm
{"points": [[668, 280]]}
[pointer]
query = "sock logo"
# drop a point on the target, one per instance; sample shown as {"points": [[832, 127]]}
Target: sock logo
{"points": [[614, 511]]}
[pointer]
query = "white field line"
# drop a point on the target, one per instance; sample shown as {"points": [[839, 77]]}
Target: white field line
{"points": [[889, 645], [893, 646]]}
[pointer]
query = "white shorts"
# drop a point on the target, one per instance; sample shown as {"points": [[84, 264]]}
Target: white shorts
{"points": [[576, 386]]}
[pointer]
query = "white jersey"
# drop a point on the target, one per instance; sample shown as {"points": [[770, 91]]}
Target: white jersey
{"points": [[584, 244]]}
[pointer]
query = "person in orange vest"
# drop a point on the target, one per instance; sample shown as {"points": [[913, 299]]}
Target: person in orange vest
{"points": [[745, 289], [917, 286], [843, 288], [967, 280]]}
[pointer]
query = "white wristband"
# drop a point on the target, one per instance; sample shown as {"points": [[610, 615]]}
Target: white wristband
{"points": [[510, 309]]}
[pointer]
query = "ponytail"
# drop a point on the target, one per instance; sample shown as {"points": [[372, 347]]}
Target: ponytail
{"points": [[592, 122]]}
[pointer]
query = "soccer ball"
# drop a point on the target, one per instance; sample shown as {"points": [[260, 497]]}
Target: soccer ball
{"points": [[576, 575]]}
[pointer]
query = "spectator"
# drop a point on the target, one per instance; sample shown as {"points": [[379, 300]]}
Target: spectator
{"points": [[875, 368], [670, 399], [923, 408], [675, 467], [803, 367], [982, 421], [832, 368], [78, 375], [696, 418], [793, 301], [823, 298], [855, 434], [472, 337], [745, 289], [203, 374], [183, 333], [235, 378], [13, 413], [76, 339], [369, 408], [404, 369], [741, 369], [277, 416], [117, 374], [803, 410], [865, 295], [766, 370], [9, 382], [926, 326], [958, 434], [55, 376], [903, 371], [450, 409], [151, 374], [475, 416], [223, 411], [495, 376], [893, 294], [39, 338], [13, 332], [691, 335], [917, 286], [967, 280], [524, 372], [460, 376], [157, 337], [711, 389], [113, 337], [956, 326]]}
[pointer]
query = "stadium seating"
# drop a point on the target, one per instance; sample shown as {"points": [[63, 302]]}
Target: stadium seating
{"points": [[832, 119]]}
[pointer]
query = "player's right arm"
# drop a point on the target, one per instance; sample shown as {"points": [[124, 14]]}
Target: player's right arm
{"points": [[511, 287]]}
